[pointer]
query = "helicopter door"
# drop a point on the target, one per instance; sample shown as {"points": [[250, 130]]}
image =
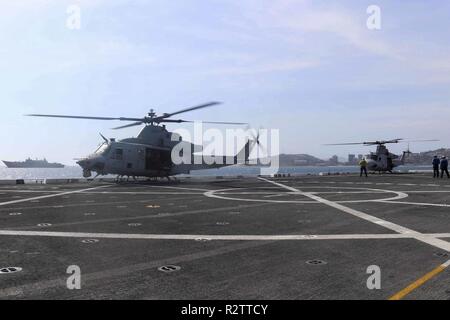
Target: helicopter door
{"points": [[390, 164], [117, 158], [157, 159], [383, 161], [140, 164]]}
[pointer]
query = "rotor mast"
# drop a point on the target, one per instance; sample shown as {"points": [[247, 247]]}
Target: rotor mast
{"points": [[151, 116]]}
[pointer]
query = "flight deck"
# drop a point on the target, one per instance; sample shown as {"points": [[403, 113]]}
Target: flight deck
{"points": [[309, 237]]}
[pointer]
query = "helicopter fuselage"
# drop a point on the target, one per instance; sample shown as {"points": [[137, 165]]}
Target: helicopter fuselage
{"points": [[133, 157], [150, 154], [383, 161]]}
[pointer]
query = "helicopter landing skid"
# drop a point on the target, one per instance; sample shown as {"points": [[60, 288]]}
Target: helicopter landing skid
{"points": [[121, 178]]}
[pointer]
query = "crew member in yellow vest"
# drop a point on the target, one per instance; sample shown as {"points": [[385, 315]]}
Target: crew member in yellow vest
{"points": [[363, 165]]}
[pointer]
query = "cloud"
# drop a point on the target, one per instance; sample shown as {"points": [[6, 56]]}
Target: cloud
{"points": [[292, 19], [331, 32]]}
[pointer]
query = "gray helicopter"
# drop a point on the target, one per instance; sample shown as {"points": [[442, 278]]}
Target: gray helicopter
{"points": [[382, 160], [150, 154]]}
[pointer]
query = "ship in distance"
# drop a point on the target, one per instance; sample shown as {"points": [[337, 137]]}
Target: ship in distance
{"points": [[30, 163]]}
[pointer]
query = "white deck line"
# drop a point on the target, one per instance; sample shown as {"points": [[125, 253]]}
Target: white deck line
{"points": [[441, 244], [50, 196]]}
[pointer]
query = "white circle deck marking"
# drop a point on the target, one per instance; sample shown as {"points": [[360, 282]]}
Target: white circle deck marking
{"points": [[221, 194]]}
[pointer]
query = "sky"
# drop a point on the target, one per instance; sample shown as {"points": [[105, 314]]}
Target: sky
{"points": [[311, 69]]}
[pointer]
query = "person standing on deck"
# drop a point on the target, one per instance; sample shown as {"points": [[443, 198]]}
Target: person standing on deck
{"points": [[444, 167], [363, 165], [436, 163]]}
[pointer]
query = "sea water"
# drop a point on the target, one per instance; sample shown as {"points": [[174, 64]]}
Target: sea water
{"points": [[76, 172]]}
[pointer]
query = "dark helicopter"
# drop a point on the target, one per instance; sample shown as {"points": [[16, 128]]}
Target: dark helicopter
{"points": [[382, 160], [150, 154]]}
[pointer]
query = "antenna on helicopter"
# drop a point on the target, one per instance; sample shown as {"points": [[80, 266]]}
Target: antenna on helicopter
{"points": [[106, 140]]}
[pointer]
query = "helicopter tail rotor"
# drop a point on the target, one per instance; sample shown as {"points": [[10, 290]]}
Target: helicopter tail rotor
{"points": [[255, 140]]}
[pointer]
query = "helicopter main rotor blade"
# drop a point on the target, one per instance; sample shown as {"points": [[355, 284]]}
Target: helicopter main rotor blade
{"points": [[431, 140], [83, 117], [212, 122], [344, 144], [366, 143], [221, 122], [168, 115], [373, 143], [392, 141], [129, 125]]}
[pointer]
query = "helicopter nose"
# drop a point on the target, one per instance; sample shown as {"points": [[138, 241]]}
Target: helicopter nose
{"points": [[94, 164], [99, 165], [83, 163]]}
